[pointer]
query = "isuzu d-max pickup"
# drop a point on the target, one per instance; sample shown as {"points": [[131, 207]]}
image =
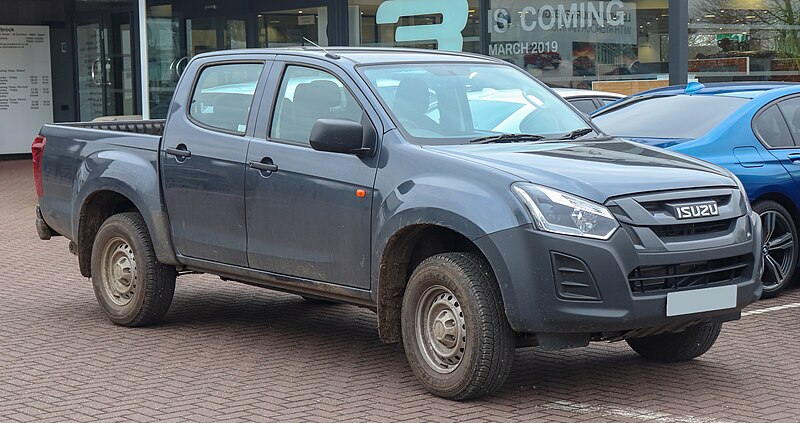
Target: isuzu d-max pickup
{"points": [[456, 196]]}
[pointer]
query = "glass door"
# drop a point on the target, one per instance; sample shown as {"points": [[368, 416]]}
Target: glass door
{"points": [[292, 27], [105, 66]]}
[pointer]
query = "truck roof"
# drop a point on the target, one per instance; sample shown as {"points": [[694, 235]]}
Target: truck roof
{"points": [[364, 55]]}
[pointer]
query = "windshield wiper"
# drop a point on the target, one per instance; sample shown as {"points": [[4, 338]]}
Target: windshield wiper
{"points": [[577, 134], [504, 138]]}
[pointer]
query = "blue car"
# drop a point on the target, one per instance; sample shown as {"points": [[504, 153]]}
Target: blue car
{"points": [[751, 129]]}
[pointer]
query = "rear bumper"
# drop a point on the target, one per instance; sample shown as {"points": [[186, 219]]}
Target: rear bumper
{"points": [[530, 267], [44, 231]]}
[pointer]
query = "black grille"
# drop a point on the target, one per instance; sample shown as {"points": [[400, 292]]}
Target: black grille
{"points": [[649, 279], [689, 229]]}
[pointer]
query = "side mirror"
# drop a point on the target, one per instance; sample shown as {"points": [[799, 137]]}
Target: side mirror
{"points": [[342, 136]]}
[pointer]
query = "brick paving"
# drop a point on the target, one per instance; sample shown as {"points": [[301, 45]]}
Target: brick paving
{"points": [[232, 352]]}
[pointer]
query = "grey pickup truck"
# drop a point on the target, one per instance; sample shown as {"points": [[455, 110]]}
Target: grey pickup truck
{"points": [[453, 194]]}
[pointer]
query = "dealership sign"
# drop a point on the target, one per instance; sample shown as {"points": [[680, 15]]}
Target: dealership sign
{"points": [[516, 24], [447, 34]]}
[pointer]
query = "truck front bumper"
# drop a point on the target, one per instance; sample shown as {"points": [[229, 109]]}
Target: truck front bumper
{"points": [[554, 284]]}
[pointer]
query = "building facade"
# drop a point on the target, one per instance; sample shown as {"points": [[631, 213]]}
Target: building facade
{"points": [[124, 57]]}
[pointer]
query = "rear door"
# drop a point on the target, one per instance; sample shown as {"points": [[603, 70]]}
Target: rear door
{"points": [[778, 128], [308, 212], [203, 159]]}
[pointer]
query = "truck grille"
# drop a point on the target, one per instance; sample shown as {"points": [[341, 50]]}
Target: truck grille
{"points": [[690, 229], [673, 277]]}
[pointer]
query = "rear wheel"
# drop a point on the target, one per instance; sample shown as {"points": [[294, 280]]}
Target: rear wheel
{"points": [[132, 287], [681, 346], [455, 333], [779, 246]]}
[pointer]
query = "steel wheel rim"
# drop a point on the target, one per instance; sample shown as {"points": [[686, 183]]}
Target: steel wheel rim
{"points": [[778, 249], [119, 271], [440, 329]]}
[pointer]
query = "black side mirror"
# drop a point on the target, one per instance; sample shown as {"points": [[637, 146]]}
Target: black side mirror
{"points": [[342, 136]]}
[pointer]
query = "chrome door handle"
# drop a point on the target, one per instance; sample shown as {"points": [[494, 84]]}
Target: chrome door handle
{"points": [[93, 71]]}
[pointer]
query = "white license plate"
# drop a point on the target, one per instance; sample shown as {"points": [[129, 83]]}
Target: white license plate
{"points": [[701, 300]]}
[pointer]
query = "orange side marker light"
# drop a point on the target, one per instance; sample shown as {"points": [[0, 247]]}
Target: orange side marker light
{"points": [[360, 193]]}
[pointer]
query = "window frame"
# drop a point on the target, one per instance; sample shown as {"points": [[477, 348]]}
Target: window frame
{"points": [[196, 81], [761, 111], [276, 97]]}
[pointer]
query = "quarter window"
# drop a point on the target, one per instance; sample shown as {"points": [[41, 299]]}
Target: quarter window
{"points": [[771, 128], [224, 94], [584, 105], [307, 95], [791, 112]]}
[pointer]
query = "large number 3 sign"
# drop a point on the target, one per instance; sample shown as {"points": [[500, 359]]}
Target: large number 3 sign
{"points": [[446, 34]]}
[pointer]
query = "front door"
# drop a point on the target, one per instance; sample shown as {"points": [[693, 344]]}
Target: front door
{"points": [[105, 49], [309, 212]]}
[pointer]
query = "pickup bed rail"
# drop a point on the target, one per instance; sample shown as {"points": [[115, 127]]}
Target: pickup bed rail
{"points": [[149, 127]]}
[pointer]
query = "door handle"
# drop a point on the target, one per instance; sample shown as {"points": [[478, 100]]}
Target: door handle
{"points": [[93, 71], [794, 158], [179, 152], [266, 167]]}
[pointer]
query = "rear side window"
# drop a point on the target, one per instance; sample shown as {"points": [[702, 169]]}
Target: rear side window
{"points": [[585, 105], [224, 94], [771, 128], [307, 95], [791, 112], [677, 116]]}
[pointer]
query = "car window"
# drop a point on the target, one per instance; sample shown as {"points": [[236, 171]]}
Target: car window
{"points": [[585, 105], [674, 116], [224, 94], [447, 103], [791, 112], [307, 95], [771, 128], [607, 101]]}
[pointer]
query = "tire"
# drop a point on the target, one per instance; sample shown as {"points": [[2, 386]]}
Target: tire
{"points": [[676, 347], [132, 287], [779, 246], [445, 292]]}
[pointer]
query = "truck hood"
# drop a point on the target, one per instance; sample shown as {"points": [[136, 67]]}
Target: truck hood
{"points": [[594, 169], [658, 142]]}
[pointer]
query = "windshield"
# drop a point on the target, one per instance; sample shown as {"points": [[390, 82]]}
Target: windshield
{"points": [[455, 103], [677, 116]]}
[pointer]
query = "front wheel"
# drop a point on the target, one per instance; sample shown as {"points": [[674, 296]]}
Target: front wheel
{"points": [[132, 287], [681, 346], [455, 333], [779, 246]]}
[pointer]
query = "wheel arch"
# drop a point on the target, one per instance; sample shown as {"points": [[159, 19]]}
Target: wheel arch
{"points": [[784, 201], [404, 250], [97, 207]]}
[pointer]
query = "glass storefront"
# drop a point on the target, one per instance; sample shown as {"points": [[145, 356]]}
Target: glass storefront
{"points": [[575, 44], [444, 24], [293, 27], [612, 45], [737, 40]]}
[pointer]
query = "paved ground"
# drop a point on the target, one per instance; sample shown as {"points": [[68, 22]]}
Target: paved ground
{"points": [[232, 352]]}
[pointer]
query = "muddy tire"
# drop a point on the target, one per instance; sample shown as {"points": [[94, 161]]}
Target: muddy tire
{"points": [[455, 333], [676, 347], [132, 287]]}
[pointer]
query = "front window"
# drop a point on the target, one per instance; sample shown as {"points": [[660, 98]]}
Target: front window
{"points": [[677, 116], [456, 103]]}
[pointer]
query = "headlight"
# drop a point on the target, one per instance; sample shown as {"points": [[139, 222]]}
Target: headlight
{"points": [[562, 213]]}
